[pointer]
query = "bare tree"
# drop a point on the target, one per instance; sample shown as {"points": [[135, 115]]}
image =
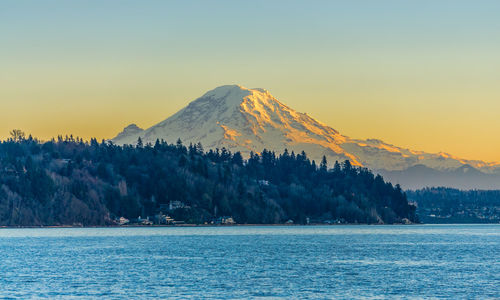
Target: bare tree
{"points": [[17, 135]]}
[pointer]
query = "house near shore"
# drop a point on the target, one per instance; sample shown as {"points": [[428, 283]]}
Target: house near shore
{"points": [[142, 221], [162, 219], [122, 221], [224, 220]]}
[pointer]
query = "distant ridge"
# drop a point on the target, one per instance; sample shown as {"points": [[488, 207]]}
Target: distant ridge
{"points": [[464, 178], [245, 120]]}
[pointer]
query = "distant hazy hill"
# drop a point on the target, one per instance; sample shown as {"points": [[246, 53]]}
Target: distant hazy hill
{"points": [[464, 177], [246, 120]]}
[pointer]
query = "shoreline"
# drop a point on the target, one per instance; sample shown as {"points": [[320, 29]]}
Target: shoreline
{"points": [[195, 225], [234, 225]]}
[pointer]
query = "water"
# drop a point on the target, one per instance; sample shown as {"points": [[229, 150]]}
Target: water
{"points": [[428, 261]]}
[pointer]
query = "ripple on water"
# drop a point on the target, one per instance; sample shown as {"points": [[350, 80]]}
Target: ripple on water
{"points": [[252, 262]]}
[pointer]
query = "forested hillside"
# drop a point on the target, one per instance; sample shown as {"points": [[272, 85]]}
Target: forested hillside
{"points": [[68, 181], [447, 205]]}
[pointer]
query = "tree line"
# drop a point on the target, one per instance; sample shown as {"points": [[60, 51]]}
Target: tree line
{"points": [[68, 181]]}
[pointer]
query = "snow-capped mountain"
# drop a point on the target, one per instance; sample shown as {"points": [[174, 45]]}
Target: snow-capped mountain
{"points": [[245, 120]]}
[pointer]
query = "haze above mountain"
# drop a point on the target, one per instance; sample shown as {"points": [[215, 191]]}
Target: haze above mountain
{"points": [[245, 120]]}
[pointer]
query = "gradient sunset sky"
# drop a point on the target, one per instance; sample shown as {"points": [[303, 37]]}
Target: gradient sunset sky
{"points": [[418, 74]]}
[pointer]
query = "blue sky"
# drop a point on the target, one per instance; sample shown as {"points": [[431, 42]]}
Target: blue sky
{"points": [[420, 74]]}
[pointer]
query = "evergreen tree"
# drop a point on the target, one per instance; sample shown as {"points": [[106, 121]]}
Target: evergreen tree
{"points": [[67, 181], [323, 165]]}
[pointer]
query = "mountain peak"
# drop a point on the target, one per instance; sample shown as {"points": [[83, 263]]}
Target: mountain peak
{"points": [[226, 90], [132, 127], [246, 120], [130, 130], [234, 92]]}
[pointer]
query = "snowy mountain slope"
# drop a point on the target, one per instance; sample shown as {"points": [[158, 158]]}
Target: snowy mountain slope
{"points": [[245, 120], [379, 155]]}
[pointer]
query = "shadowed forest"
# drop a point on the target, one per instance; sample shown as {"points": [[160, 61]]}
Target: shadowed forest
{"points": [[68, 181], [447, 205]]}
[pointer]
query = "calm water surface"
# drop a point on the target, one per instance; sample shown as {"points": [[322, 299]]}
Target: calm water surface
{"points": [[442, 261]]}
